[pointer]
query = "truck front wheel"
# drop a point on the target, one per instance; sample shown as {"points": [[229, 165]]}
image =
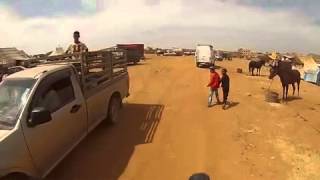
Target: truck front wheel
{"points": [[114, 108]]}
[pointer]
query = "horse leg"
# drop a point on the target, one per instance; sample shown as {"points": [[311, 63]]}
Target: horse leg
{"points": [[298, 82], [260, 71], [287, 88], [283, 92], [294, 88], [257, 71]]}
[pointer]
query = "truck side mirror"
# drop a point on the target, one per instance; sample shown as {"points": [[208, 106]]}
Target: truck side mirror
{"points": [[39, 116]]}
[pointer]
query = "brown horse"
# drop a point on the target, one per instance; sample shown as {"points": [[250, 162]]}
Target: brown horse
{"points": [[287, 76], [256, 64]]}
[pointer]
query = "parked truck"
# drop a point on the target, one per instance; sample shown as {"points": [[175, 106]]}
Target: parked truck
{"points": [[47, 110], [135, 52]]}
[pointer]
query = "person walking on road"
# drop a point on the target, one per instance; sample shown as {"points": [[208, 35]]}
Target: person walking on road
{"points": [[225, 84], [213, 86]]}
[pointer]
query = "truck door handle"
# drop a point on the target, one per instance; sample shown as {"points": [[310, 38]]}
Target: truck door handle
{"points": [[75, 108]]}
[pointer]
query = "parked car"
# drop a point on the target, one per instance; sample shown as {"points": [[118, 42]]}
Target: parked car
{"points": [[159, 52], [218, 56], [186, 53], [178, 51], [47, 110], [204, 55], [170, 53]]}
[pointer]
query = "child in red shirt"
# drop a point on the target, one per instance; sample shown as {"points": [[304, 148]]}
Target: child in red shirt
{"points": [[214, 85]]}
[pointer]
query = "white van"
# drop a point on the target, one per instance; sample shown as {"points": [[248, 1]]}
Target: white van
{"points": [[204, 55]]}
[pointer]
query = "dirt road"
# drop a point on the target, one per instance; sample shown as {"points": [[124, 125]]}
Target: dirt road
{"points": [[167, 132]]}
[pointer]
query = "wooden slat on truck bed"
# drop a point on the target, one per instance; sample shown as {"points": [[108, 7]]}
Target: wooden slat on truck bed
{"points": [[94, 67]]}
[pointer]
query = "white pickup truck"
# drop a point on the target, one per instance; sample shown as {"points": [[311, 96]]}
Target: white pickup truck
{"points": [[47, 110]]}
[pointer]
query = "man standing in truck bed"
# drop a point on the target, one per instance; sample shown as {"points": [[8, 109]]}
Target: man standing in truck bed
{"points": [[77, 46]]}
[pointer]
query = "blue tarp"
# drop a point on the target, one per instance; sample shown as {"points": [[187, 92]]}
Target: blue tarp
{"points": [[312, 76]]}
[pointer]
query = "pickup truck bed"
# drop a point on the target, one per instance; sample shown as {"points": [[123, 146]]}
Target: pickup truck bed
{"points": [[95, 67]]}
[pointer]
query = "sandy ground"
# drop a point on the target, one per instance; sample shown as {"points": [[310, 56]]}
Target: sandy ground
{"points": [[167, 132]]}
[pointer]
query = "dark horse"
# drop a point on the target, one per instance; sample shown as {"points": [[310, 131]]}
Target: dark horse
{"points": [[256, 64], [287, 76]]}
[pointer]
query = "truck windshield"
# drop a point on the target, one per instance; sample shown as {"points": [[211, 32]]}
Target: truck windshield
{"points": [[13, 96]]}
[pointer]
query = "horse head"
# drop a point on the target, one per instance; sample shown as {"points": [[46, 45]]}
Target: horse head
{"points": [[273, 71]]}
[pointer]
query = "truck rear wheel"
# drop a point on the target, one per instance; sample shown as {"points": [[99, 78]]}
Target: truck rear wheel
{"points": [[114, 108]]}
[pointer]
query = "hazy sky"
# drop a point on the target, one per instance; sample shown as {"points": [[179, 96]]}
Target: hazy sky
{"points": [[39, 26]]}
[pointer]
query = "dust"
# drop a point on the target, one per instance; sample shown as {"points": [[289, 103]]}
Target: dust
{"points": [[304, 161]]}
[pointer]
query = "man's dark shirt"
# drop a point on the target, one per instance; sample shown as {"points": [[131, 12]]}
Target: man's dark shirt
{"points": [[225, 81]]}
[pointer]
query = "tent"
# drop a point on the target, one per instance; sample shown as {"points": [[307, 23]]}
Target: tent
{"points": [[316, 57], [311, 70], [58, 51], [313, 76]]}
